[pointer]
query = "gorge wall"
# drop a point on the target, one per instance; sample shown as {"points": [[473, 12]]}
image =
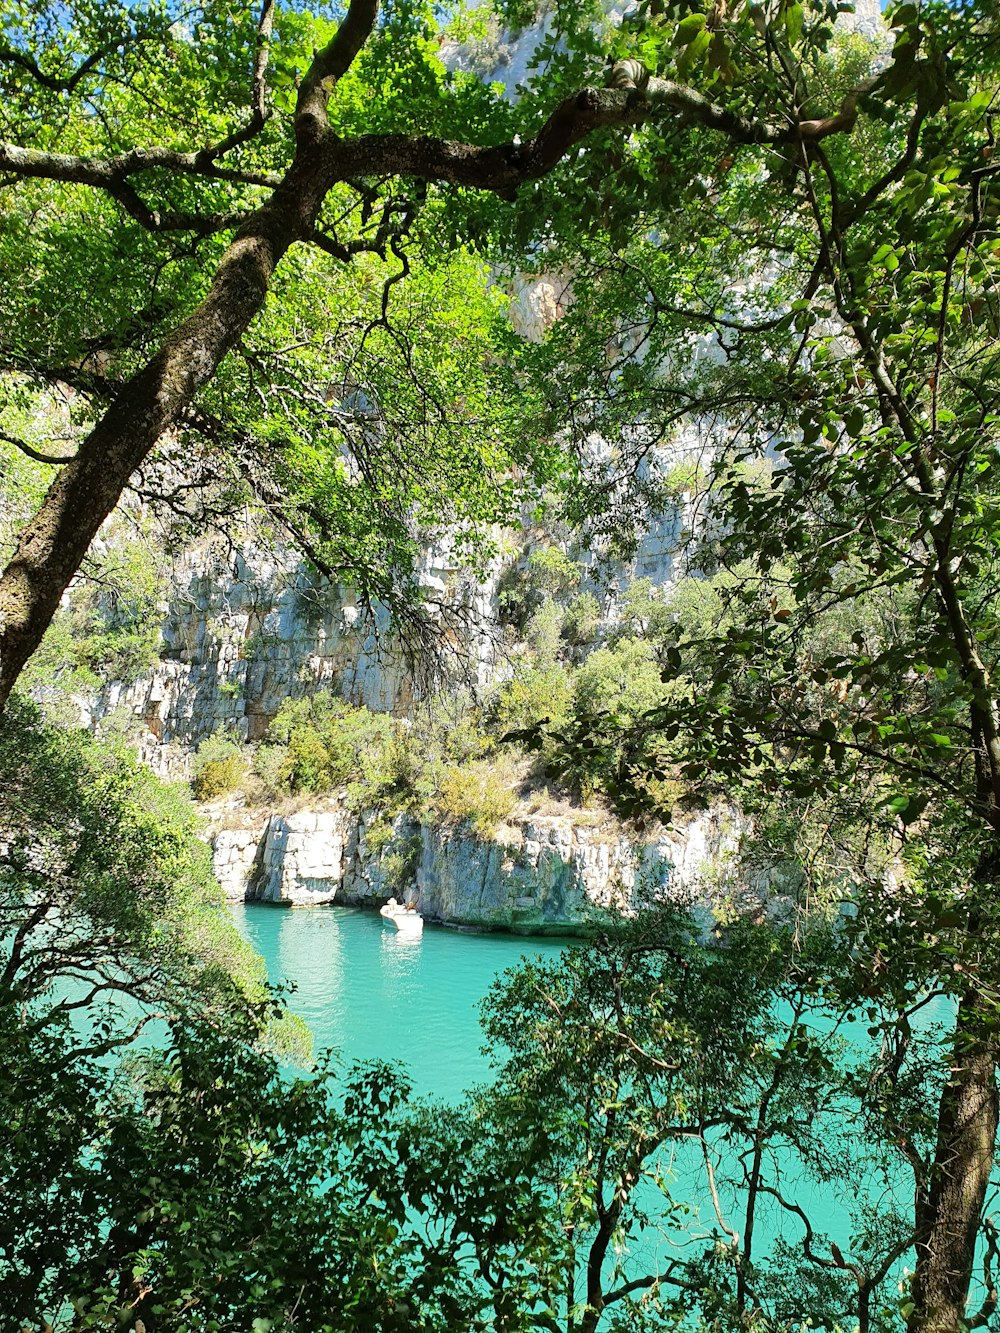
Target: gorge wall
{"points": [[543, 872]]}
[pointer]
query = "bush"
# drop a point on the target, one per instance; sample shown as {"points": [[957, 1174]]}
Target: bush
{"points": [[580, 620], [107, 629], [544, 632], [219, 767], [379, 834], [476, 794], [118, 618], [448, 727], [325, 743], [644, 611], [218, 777], [551, 570], [531, 695], [623, 680], [434, 768], [548, 572], [400, 860], [272, 766]]}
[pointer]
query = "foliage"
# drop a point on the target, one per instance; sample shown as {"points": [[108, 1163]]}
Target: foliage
{"points": [[320, 742], [399, 859], [649, 1070], [109, 628], [429, 767], [449, 727], [106, 893], [479, 794], [842, 659], [863, 354], [533, 694], [208, 1186], [203, 1178], [623, 680], [529, 586], [644, 612], [218, 767], [580, 620]]}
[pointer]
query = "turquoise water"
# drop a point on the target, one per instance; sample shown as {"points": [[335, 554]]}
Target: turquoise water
{"points": [[371, 994]]}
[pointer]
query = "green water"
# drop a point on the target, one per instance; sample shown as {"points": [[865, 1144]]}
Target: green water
{"points": [[372, 994]]}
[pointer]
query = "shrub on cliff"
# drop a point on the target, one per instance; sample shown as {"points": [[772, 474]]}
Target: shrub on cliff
{"points": [[624, 680], [218, 777], [219, 767], [319, 743], [525, 588], [478, 794], [581, 619]]}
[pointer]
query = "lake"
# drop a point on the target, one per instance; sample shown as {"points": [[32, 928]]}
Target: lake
{"points": [[372, 994]]}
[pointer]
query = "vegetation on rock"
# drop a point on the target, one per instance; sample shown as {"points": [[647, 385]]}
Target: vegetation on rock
{"points": [[287, 224]]}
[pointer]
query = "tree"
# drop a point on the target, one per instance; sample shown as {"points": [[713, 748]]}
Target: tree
{"points": [[863, 354], [206, 1188], [850, 664], [703, 1130], [325, 152], [109, 912]]}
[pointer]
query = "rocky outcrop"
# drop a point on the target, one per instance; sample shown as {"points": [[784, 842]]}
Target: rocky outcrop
{"points": [[543, 875], [301, 858], [243, 632], [540, 874], [234, 857]]}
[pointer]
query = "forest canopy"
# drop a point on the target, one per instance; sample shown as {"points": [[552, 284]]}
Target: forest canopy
{"points": [[189, 165], [261, 253]]}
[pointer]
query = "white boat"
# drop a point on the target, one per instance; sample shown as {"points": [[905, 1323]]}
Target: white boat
{"points": [[407, 920]]}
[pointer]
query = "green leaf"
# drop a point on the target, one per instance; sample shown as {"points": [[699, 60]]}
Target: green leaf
{"points": [[688, 29]]}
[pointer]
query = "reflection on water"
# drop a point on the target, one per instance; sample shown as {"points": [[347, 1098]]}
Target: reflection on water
{"points": [[372, 993]]}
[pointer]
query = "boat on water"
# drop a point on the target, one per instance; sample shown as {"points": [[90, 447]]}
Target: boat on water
{"points": [[407, 920]]}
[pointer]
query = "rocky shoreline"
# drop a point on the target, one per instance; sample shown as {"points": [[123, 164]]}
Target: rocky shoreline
{"points": [[542, 873]]}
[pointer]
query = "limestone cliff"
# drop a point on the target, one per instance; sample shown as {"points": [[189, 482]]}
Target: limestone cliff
{"points": [[542, 872], [244, 630]]}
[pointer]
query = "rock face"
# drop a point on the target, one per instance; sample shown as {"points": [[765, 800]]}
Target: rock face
{"points": [[243, 633], [234, 855], [867, 19], [300, 859], [540, 874]]}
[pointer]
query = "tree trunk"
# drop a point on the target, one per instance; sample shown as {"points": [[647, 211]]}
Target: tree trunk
{"points": [[53, 544], [963, 1161]]}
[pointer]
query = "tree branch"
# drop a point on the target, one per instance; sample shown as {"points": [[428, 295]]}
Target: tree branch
{"points": [[8, 56], [259, 111], [105, 172], [155, 220], [25, 448], [331, 64], [499, 168]]}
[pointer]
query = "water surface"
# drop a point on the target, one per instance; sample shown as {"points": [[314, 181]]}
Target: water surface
{"points": [[371, 993], [374, 994]]}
